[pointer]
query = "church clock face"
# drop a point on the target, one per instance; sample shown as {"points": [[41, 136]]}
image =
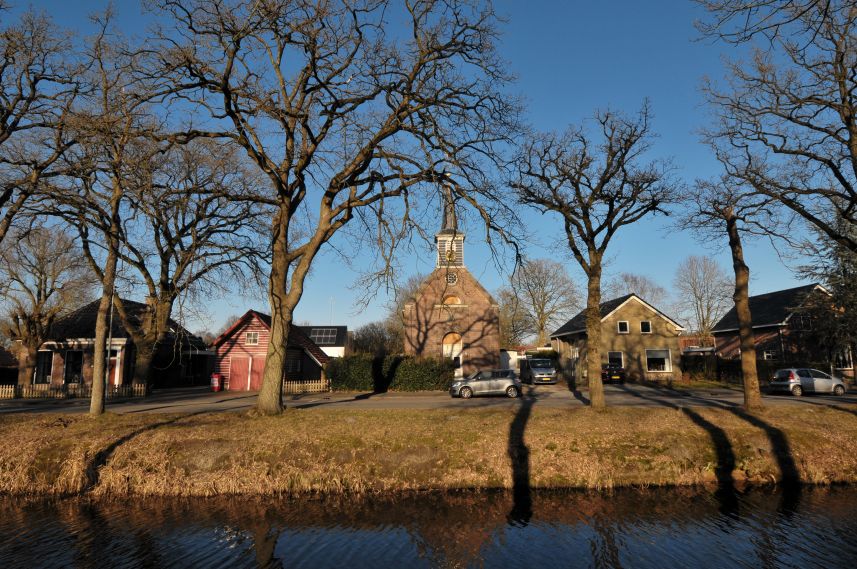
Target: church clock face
{"points": [[452, 278]]}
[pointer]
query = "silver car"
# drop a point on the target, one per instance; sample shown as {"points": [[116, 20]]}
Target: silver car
{"points": [[798, 381], [488, 382], [538, 370]]}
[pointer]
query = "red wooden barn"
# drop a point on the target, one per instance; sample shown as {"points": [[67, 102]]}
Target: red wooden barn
{"points": [[242, 349]]}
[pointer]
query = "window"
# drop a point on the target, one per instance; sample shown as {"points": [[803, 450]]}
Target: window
{"points": [[645, 327], [658, 361], [842, 360], [769, 354], [74, 366], [800, 322], [251, 339], [452, 300], [819, 374], [293, 365], [451, 278], [623, 327], [44, 366], [615, 359], [323, 336]]}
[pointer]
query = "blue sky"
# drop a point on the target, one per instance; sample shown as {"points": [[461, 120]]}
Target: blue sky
{"points": [[571, 58]]}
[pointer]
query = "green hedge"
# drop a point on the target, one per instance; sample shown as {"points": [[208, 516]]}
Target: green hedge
{"points": [[365, 372]]}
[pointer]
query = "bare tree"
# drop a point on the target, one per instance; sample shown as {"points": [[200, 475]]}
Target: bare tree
{"points": [[598, 184], [547, 294], [344, 117], [703, 290], [189, 232], [113, 125], [726, 208], [37, 89], [380, 338], [641, 285], [44, 276], [515, 324], [787, 125]]}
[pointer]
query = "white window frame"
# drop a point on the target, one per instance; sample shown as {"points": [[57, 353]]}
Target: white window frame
{"points": [[619, 327], [254, 341], [621, 356], [649, 322], [769, 355], [846, 357], [669, 360]]}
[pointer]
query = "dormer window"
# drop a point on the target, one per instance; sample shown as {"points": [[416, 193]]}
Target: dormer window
{"points": [[251, 339], [645, 327], [623, 327]]}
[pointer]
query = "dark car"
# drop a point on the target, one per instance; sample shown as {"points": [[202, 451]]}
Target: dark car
{"points": [[612, 373]]}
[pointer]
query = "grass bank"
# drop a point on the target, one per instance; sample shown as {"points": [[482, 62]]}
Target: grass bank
{"points": [[344, 451]]}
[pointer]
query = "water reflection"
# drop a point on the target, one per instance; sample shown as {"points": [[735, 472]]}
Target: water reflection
{"points": [[625, 529]]}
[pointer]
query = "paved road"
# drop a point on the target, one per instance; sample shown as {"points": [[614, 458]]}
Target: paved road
{"points": [[197, 400]]}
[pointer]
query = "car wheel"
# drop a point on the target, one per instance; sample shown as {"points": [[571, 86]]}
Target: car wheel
{"points": [[511, 391], [797, 390], [839, 390], [465, 393]]}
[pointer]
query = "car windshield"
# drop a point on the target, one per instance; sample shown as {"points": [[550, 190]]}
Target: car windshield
{"points": [[540, 363]]}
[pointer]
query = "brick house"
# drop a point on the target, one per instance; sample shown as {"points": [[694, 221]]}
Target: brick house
{"points": [[66, 357], [634, 335], [451, 315], [240, 353], [782, 331]]}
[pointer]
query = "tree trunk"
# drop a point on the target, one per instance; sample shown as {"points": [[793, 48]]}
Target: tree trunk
{"points": [[741, 296], [270, 401], [99, 357], [27, 363], [593, 334], [143, 356]]}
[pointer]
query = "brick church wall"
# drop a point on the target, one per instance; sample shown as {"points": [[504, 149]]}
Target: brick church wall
{"points": [[476, 319]]}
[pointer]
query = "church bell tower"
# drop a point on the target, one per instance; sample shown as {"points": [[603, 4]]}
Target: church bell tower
{"points": [[449, 240]]}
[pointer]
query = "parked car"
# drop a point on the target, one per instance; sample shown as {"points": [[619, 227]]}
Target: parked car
{"points": [[487, 382], [798, 381], [538, 370], [611, 373]]}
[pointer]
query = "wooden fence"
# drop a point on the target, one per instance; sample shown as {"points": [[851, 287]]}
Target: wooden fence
{"points": [[292, 387], [47, 391]]}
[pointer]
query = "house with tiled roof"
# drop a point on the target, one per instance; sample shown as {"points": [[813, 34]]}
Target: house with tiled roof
{"points": [[241, 351], [634, 335], [66, 356], [782, 329]]}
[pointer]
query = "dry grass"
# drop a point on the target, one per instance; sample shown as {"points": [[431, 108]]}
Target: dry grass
{"points": [[342, 451]]}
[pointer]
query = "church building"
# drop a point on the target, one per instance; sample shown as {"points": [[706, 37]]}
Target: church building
{"points": [[452, 315]]}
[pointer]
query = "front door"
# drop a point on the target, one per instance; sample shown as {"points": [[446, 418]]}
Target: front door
{"points": [[821, 382], [452, 349]]}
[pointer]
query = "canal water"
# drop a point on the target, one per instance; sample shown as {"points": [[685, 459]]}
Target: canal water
{"points": [[800, 528]]}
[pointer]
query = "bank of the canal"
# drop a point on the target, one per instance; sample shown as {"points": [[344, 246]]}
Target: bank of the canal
{"points": [[335, 451]]}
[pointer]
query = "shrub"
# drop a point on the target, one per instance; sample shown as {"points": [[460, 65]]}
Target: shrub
{"points": [[365, 372]]}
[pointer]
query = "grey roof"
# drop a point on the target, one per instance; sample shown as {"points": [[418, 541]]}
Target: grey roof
{"points": [[578, 323], [769, 309], [80, 324]]}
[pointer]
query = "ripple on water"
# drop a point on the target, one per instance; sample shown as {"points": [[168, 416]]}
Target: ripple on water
{"points": [[662, 528]]}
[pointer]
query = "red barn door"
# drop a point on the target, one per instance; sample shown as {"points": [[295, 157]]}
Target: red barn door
{"points": [[239, 370], [256, 373]]}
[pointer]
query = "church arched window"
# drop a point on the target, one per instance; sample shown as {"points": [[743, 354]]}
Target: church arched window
{"points": [[451, 300]]}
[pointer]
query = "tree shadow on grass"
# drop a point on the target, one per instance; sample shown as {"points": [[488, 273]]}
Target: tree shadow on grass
{"points": [[99, 460], [519, 454], [726, 493]]}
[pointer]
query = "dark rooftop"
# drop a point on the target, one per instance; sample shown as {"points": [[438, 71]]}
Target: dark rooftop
{"points": [[768, 309]]}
